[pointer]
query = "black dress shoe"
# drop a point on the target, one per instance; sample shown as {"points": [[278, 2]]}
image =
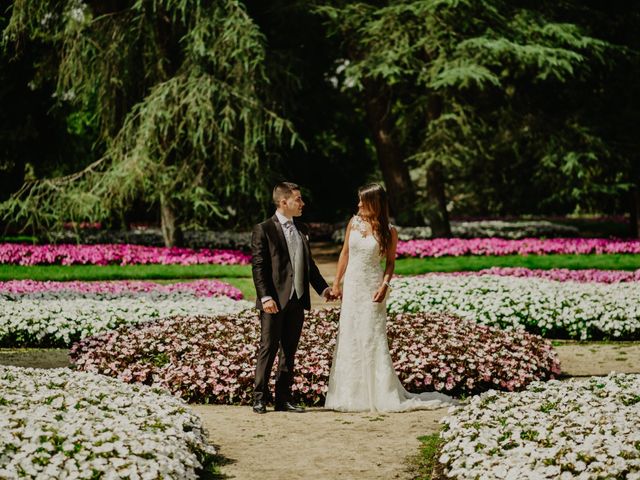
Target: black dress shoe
{"points": [[288, 407], [259, 407]]}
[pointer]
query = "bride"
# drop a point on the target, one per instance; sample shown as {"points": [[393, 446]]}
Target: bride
{"points": [[362, 376]]}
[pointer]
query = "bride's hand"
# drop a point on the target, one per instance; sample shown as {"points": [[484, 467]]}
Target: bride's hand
{"points": [[336, 292], [380, 294]]}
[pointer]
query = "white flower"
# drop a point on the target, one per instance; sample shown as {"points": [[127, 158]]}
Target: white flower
{"points": [[580, 429], [63, 315], [150, 435], [578, 310]]}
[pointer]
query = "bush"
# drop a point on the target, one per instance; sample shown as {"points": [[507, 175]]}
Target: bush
{"points": [[484, 229], [560, 274], [58, 318], [115, 254], [212, 359], [547, 307], [583, 429], [457, 247], [57, 423]]}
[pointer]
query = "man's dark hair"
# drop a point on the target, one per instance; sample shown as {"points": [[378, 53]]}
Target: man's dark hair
{"points": [[283, 190]]}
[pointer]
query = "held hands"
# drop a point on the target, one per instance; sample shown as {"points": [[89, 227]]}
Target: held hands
{"points": [[336, 292], [330, 295]]}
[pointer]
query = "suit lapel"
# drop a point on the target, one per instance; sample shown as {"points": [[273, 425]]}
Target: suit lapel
{"points": [[281, 238]]}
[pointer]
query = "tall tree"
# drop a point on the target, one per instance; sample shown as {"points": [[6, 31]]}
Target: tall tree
{"points": [[333, 158], [440, 63], [181, 99]]}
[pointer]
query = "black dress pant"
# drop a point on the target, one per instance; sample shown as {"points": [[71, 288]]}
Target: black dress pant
{"points": [[278, 332]]}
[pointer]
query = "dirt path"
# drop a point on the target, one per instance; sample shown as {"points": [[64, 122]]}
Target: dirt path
{"points": [[317, 444]]}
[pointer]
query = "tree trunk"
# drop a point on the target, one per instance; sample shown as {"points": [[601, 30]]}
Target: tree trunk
{"points": [[436, 197], [400, 188], [171, 231], [634, 220], [437, 201]]}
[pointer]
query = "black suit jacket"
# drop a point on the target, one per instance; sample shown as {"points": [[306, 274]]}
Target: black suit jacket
{"points": [[271, 266]]}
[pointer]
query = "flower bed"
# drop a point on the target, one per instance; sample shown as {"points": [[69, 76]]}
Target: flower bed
{"points": [[559, 274], [57, 423], [551, 308], [485, 229], [151, 236], [583, 429], [140, 234], [212, 360], [58, 318], [115, 254], [200, 288], [511, 229], [529, 246]]}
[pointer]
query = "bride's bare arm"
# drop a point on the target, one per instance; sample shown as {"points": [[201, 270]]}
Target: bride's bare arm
{"points": [[389, 268], [342, 263]]}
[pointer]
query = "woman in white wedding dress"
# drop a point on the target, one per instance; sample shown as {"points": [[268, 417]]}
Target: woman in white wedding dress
{"points": [[362, 376]]}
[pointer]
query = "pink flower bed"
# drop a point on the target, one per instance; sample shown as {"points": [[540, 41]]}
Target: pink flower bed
{"points": [[115, 254], [559, 274], [212, 359], [200, 288], [527, 246]]}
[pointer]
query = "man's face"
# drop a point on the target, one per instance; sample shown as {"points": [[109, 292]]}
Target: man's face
{"points": [[292, 206]]}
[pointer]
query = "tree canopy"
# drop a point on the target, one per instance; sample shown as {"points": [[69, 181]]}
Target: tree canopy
{"points": [[179, 94], [194, 109]]}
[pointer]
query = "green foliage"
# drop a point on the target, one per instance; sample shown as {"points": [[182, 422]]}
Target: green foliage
{"points": [[426, 463], [475, 84], [179, 92]]}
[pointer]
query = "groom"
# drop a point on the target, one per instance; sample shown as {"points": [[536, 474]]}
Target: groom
{"points": [[282, 269]]}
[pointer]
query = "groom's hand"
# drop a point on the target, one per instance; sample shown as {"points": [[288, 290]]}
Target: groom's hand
{"points": [[270, 306], [328, 295]]}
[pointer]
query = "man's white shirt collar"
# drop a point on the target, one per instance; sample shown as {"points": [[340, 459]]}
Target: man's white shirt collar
{"points": [[283, 219]]}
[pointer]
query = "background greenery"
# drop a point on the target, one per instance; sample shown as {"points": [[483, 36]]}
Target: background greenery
{"points": [[184, 113]]}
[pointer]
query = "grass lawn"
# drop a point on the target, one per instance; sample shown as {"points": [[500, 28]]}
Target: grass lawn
{"points": [[117, 272], [415, 266], [244, 284], [423, 466]]}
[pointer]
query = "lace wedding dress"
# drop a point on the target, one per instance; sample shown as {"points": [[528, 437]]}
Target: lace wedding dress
{"points": [[362, 376]]}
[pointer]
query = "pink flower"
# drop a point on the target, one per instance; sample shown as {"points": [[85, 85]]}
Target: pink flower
{"points": [[118, 254], [559, 274], [218, 365], [498, 246]]}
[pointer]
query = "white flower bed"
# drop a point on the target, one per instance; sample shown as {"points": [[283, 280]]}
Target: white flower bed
{"points": [[62, 424], [61, 317], [580, 429], [485, 229], [551, 308]]}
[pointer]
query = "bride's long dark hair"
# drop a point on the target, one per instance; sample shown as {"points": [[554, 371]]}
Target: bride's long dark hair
{"points": [[375, 210]]}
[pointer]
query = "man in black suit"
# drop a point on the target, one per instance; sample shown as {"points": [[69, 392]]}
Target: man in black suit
{"points": [[282, 270]]}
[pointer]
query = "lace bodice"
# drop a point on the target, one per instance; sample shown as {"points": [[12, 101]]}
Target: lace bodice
{"points": [[364, 250]]}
